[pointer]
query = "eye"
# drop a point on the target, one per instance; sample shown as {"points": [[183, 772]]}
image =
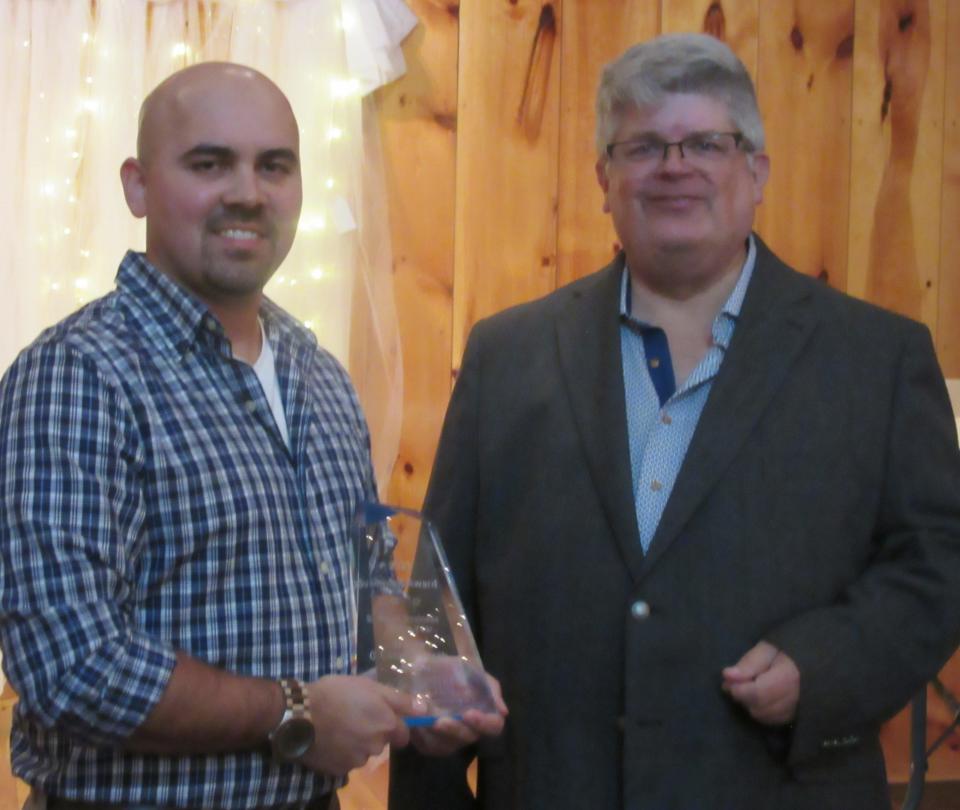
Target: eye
{"points": [[638, 150], [204, 165], [275, 167], [706, 144]]}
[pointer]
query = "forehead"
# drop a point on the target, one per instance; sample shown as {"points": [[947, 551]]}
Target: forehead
{"points": [[252, 118], [676, 115]]}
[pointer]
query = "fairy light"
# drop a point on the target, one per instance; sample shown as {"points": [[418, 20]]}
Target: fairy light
{"points": [[334, 133], [330, 183], [344, 88], [310, 223], [179, 50]]}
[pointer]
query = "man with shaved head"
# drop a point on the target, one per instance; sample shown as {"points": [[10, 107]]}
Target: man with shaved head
{"points": [[180, 464]]}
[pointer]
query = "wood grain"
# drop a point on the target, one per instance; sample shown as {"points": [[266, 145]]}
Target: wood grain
{"points": [[948, 322], [897, 155], [805, 92], [506, 221], [418, 121], [592, 36]]}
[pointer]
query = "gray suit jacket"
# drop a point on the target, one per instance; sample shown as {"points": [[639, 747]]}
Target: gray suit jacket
{"points": [[818, 508]]}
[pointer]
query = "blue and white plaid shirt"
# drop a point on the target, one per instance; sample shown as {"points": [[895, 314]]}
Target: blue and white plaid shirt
{"points": [[148, 504]]}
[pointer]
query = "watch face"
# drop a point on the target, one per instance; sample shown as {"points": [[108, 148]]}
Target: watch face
{"points": [[294, 738]]}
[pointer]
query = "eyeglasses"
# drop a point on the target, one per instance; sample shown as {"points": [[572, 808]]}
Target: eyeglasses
{"points": [[698, 148]]}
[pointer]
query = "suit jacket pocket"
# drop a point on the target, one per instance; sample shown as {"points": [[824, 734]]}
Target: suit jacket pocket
{"points": [[852, 761]]}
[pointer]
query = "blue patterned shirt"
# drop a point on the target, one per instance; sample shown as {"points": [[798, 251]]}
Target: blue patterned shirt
{"points": [[661, 418], [148, 504]]}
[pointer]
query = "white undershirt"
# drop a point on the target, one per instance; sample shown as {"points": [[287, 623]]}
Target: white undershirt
{"points": [[267, 374]]}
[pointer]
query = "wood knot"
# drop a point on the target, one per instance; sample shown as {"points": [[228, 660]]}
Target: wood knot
{"points": [[453, 9], [845, 48], [887, 97], [446, 121], [796, 38], [537, 80], [715, 21], [408, 468], [906, 21], [823, 275]]}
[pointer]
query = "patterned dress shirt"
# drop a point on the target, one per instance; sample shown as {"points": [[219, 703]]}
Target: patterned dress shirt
{"points": [[148, 504], [661, 418]]}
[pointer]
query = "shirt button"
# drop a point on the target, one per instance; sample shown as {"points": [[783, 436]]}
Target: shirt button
{"points": [[640, 610], [654, 362], [339, 662], [324, 568], [250, 405], [656, 486], [666, 419]]}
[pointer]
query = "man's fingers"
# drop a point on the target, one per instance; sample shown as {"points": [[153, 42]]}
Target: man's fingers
{"points": [[772, 696], [757, 660], [400, 702]]}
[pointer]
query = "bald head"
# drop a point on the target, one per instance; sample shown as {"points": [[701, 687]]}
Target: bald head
{"points": [[172, 102], [217, 177]]}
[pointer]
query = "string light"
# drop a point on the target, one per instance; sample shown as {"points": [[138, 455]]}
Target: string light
{"points": [[344, 88], [311, 222]]}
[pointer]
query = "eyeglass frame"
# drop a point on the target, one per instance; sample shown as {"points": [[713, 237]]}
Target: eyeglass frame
{"points": [[738, 139]]}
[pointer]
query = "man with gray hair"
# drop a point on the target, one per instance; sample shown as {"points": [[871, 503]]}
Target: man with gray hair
{"points": [[704, 509]]}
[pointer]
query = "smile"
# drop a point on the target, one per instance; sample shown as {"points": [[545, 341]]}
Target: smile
{"points": [[237, 233]]}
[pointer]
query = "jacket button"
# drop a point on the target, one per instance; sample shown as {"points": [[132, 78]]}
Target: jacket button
{"points": [[640, 610]]}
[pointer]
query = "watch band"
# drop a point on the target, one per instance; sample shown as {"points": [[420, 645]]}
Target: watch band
{"points": [[296, 699], [294, 734]]}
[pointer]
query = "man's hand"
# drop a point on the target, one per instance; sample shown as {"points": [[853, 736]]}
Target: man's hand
{"points": [[448, 735], [354, 718], [766, 683]]}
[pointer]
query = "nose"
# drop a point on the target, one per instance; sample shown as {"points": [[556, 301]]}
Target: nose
{"points": [[243, 188], [673, 158]]}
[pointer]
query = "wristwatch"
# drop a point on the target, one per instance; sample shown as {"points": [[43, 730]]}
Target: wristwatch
{"points": [[294, 734]]}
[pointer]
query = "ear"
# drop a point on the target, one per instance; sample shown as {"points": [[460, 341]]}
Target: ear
{"points": [[761, 172], [133, 178], [604, 181]]}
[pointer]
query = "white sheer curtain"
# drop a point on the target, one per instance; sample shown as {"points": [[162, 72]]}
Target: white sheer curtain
{"points": [[73, 75]]}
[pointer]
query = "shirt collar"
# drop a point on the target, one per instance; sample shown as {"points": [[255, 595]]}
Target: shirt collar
{"points": [[170, 311], [730, 308]]}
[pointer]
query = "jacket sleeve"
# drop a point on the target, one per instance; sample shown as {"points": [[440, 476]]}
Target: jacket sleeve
{"points": [[418, 781], [862, 658]]}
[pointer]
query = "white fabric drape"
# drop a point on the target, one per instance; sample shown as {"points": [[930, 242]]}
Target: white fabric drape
{"points": [[74, 75]]}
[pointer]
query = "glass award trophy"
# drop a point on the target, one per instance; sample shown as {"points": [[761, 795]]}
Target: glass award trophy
{"points": [[412, 632]]}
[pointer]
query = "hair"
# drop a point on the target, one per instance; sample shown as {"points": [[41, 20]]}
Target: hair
{"points": [[677, 63]]}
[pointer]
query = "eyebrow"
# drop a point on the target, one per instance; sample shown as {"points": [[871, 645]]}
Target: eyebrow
{"points": [[226, 153]]}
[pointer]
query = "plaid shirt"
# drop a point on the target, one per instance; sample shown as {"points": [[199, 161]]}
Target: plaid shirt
{"points": [[149, 504]]}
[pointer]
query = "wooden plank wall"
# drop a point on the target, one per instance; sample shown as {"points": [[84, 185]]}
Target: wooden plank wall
{"points": [[489, 154], [493, 198]]}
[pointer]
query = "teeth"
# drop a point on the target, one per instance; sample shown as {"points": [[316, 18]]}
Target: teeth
{"points": [[235, 233]]}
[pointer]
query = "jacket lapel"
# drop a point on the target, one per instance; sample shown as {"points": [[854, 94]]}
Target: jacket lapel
{"points": [[588, 339], [775, 323]]}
